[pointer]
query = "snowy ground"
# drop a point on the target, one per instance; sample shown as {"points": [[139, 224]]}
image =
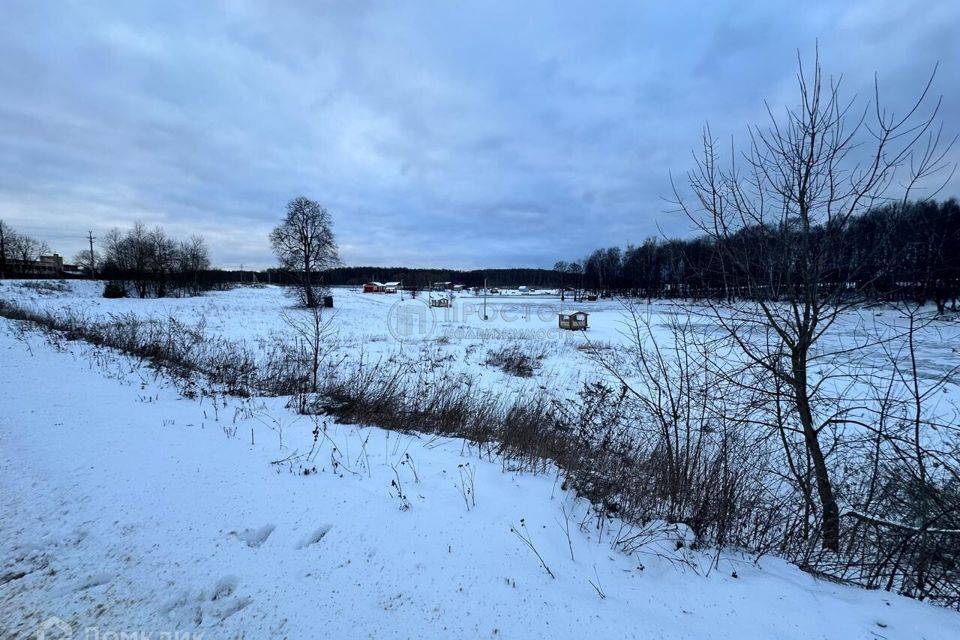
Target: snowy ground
{"points": [[368, 324], [127, 509], [372, 326]]}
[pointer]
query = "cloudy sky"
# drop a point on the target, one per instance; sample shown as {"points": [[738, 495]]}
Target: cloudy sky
{"points": [[459, 134]]}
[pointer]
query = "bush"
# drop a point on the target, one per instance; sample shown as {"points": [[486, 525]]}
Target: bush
{"points": [[46, 287], [515, 361], [114, 290]]}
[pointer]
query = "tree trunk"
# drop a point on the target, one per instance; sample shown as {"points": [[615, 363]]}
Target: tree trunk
{"points": [[308, 294], [830, 526]]}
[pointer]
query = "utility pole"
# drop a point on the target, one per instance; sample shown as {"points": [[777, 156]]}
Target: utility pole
{"points": [[485, 299], [93, 261]]}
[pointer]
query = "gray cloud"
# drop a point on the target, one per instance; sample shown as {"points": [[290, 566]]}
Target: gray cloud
{"points": [[453, 134]]}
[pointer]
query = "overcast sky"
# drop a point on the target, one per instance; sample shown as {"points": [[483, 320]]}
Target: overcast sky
{"points": [[459, 134]]}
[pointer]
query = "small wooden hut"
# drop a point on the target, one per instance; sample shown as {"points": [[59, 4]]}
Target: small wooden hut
{"points": [[576, 321]]}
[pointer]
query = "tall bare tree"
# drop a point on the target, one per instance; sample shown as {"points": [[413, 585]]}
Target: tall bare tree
{"points": [[129, 255], [193, 256], [304, 244], [561, 266], [775, 214]]}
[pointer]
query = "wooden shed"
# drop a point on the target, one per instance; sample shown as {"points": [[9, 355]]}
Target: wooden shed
{"points": [[440, 302], [576, 321]]}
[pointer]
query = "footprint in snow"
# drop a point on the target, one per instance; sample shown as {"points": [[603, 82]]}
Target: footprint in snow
{"points": [[254, 537], [315, 537], [97, 580], [224, 588], [222, 603], [207, 608]]}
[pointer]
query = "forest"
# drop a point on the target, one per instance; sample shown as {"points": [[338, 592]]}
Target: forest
{"points": [[908, 251]]}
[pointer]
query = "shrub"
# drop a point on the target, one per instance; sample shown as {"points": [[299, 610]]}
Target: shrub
{"points": [[46, 286], [114, 289], [515, 361]]}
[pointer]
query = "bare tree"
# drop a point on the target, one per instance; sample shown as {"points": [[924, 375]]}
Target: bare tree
{"points": [[8, 238], [304, 244], [776, 215], [148, 259], [576, 271], [312, 333], [87, 261], [27, 250], [162, 259], [193, 256], [129, 255], [561, 266]]}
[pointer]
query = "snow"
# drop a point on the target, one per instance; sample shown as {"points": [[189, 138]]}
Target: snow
{"points": [[364, 322], [126, 508]]}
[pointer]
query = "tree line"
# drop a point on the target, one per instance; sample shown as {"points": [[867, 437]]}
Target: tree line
{"points": [[146, 263], [895, 252]]}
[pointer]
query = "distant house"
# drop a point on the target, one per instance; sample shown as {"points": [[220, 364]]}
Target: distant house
{"points": [[391, 287], [51, 265], [374, 287]]}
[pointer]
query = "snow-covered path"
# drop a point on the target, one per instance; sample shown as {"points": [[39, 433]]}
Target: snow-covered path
{"points": [[125, 508]]}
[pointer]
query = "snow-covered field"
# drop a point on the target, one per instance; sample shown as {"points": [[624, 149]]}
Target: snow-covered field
{"points": [[384, 326], [125, 508], [373, 324]]}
